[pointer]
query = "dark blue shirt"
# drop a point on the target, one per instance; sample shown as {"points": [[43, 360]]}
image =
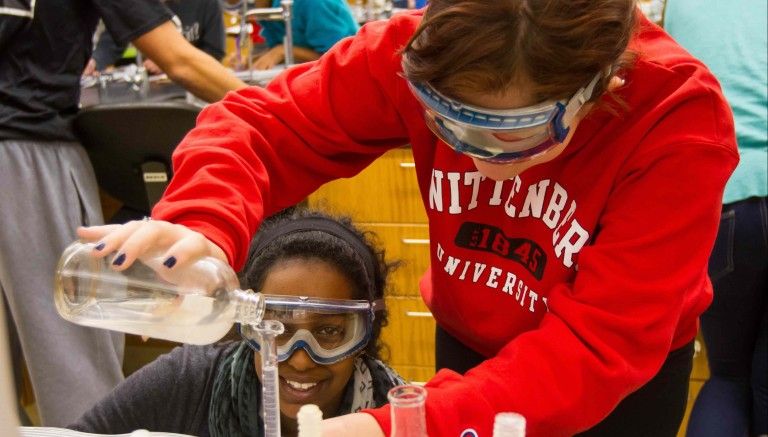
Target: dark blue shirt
{"points": [[43, 53], [202, 25]]}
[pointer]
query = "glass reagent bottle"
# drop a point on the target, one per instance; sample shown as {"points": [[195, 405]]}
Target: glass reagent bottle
{"points": [[196, 304]]}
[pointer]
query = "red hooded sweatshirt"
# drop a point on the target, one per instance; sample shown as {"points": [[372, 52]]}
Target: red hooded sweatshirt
{"points": [[576, 278]]}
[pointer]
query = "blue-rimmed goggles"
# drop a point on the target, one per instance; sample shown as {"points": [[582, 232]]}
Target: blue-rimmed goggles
{"points": [[328, 330], [500, 136]]}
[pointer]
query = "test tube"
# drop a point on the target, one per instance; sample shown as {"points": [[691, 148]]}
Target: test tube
{"points": [[268, 330]]}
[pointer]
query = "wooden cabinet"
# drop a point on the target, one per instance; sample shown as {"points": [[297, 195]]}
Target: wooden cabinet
{"points": [[384, 198], [386, 192], [410, 336], [408, 244]]}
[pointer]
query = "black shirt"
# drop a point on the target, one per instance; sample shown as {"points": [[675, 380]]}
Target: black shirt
{"points": [[202, 25], [43, 53]]}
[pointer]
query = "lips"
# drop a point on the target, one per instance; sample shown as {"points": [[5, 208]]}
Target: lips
{"points": [[299, 391], [508, 138], [301, 386]]}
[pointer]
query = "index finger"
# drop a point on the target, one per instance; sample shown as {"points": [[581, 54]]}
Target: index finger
{"points": [[93, 233]]}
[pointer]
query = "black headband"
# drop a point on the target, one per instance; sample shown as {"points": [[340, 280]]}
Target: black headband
{"points": [[329, 226]]}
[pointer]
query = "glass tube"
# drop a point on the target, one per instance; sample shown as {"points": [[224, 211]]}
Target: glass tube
{"points": [[408, 410], [270, 391]]}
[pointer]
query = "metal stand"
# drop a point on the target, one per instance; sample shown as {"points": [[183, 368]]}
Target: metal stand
{"points": [[284, 13]]}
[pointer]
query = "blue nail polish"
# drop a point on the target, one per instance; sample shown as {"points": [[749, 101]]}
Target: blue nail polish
{"points": [[119, 260], [100, 246], [170, 262]]}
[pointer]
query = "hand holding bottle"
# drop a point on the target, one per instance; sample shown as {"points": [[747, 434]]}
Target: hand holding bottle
{"points": [[155, 279], [177, 245]]}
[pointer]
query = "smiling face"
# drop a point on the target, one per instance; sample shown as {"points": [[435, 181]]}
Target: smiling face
{"points": [[302, 381]]}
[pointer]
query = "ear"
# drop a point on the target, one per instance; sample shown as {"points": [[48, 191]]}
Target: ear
{"points": [[615, 83]]}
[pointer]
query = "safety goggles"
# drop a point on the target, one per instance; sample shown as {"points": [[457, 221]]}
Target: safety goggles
{"points": [[500, 136], [329, 330]]}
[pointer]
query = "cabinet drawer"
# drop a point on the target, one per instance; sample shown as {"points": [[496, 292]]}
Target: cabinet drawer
{"points": [[415, 374], [410, 333], [408, 244], [385, 192]]}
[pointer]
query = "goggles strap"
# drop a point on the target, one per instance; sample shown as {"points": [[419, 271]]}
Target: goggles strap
{"points": [[377, 305], [578, 100]]}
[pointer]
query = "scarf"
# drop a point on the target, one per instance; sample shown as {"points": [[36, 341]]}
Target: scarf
{"points": [[235, 409]]}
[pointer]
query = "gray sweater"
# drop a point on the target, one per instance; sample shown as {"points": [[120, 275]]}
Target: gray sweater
{"points": [[171, 394]]}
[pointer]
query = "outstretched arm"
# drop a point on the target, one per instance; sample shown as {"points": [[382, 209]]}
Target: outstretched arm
{"points": [[197, 71]]}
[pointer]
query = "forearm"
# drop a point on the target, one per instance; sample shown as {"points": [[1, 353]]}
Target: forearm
{"points": [[352, 425], [303, 54], [197, 71], [204, 77]]}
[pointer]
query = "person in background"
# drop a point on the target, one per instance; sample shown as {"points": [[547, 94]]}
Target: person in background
{"points": [[200, 21], [731, 39], [571, 159], [48, 183], [409, 4], [316, 24], [216, 391]]}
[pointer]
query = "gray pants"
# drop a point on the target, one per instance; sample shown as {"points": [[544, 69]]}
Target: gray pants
{"points": [[47, 189]]}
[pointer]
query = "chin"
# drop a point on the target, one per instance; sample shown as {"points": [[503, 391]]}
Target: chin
{"points": [[289, 411], [499, 172]]}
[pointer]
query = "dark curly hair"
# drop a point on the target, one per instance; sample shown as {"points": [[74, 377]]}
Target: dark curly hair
{"points": [[320, 245]]}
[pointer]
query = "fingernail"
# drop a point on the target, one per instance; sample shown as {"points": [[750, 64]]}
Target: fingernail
{"points": [[100, 246], [119, 260], [170, 262]]}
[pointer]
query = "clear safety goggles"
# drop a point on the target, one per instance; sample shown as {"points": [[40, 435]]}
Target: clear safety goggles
{"points": [[329, 330], [500, 136]]}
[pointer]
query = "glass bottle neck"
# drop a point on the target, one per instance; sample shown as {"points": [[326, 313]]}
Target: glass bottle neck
{"points": [[250, 306]]}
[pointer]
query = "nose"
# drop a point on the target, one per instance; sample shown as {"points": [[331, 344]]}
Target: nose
{"points": [[301, 361]]}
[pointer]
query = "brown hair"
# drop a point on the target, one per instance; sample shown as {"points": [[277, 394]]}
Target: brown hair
{"points": [[554, 47]]}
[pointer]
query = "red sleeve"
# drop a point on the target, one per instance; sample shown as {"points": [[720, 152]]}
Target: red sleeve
{"points": [[608, 333], [260, 150]]}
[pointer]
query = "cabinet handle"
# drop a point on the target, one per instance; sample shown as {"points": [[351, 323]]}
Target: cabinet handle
{"points": [[407, 164], [415, 240], [418, 314]]}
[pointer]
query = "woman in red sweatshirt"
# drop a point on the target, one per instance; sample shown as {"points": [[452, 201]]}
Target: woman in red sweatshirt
{"points": [[571, 158]]}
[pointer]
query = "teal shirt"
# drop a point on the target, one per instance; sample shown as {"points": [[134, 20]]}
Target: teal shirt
{"points": [[730, 38], [316, 24]]}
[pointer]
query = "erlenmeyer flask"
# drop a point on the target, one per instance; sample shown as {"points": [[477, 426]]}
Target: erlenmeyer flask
{"points": [[196, 304]]}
